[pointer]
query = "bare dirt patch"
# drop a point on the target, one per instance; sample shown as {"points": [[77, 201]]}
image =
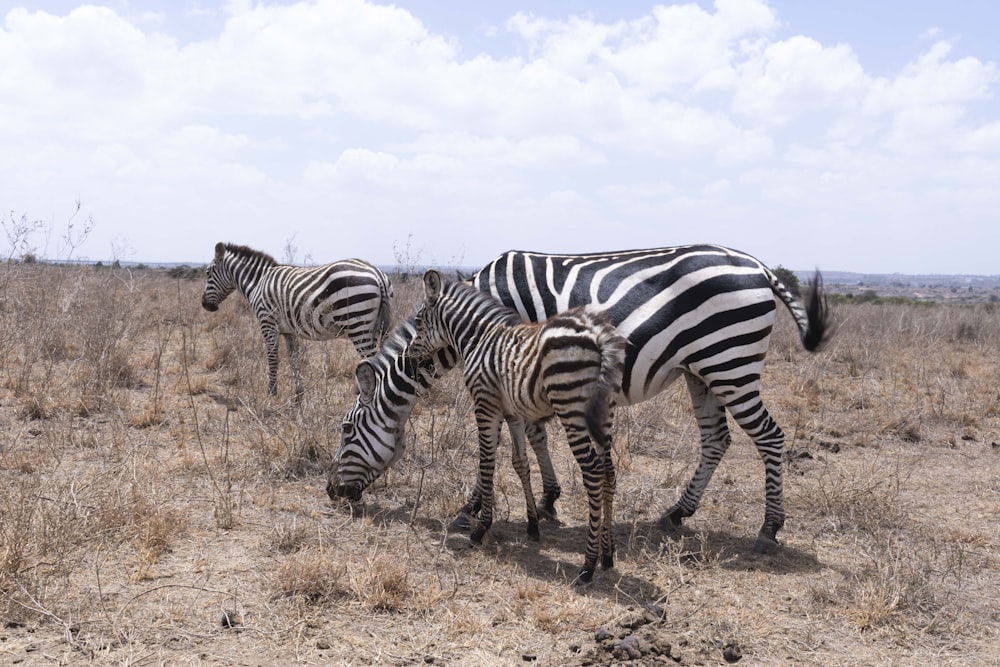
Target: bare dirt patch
{"points": [[157, 508]]}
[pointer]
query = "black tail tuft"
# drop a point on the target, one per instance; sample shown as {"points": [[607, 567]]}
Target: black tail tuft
{"points": [[818, 313]]}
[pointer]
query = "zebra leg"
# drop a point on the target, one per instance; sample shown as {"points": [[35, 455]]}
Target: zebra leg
{"points": [[489, 432], [550, 483], [537, 438], [600, 437], [610, 484], [715, 440], [769, 439], [463, 520], [270, 333], [591, 463], [519, 457], [607, 530], [295, 361]]}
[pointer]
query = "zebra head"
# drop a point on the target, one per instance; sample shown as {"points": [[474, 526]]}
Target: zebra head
{"points": [[372, 434], [219, 282], [371, 438], [430, 333]]}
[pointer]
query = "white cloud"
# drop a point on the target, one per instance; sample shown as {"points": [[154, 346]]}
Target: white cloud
{"points": [[356, 125]]}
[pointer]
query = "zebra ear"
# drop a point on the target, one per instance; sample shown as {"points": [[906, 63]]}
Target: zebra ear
{"points": [[220, 250], [365, 376], [432, 286]]}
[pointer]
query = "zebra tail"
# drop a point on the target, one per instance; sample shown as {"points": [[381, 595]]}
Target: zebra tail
{"points": [[612, 347], [813, 318], [384, 317]]}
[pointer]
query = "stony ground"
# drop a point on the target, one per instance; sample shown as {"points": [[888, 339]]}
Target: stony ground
{"points": [[158, 509]]}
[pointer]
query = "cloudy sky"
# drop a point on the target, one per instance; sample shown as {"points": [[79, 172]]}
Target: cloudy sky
{"points": [[850, 135]]}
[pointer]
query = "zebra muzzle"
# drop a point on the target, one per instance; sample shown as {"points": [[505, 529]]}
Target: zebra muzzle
{"points": [[350, 492]]}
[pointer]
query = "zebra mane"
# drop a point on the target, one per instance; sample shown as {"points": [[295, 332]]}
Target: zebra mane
{"points": [[484, 303], [247, 252]]}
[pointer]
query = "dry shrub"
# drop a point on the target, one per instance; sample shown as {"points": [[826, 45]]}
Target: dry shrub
{"points": [[382, 583], [894, 587], [311, 575], [866, 500], [289, 537]]}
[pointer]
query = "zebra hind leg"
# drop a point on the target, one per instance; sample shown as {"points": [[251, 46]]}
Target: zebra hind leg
{"points": [[715, 440]]}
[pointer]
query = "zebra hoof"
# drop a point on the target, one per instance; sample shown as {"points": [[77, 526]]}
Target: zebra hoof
{"points": [[767, 540], [548, 504], [461, 523], [670, 522], [476, 537], [765, 545], [547, 511], [586, 577], [533, 531], [607, 562]]}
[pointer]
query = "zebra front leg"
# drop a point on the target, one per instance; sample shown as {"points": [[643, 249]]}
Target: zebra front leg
{"points": [[551, 491], [519, 457], [715, 440], [270, 333], [295, 361], [463, 520], [489, 432]]}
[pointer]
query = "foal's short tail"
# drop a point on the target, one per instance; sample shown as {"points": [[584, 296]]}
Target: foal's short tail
{"points": [[612, 347]]}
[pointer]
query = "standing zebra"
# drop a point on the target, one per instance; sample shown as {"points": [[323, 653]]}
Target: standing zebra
{"points": [[569, 366], [349, 297], [704, 312]]}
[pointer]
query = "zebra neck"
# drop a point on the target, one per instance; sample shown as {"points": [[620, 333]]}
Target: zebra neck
{"points": [[248, 278]]}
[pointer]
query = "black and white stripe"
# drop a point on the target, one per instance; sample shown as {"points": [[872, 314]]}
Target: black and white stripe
{"points": [[568, 367], [704, 312], [373, 436], [349, 298]]}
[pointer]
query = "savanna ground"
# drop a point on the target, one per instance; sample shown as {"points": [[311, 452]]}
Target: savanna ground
{"points": [[157, 508]]}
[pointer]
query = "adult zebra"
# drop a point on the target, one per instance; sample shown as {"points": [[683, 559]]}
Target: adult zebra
{"points": [[702, 311], [349, 297], [568, 366]]}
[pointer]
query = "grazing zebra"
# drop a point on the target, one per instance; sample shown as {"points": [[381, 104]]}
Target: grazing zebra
{"points": [[393, 379], [568, 366], [704, 312], [348, 297]]}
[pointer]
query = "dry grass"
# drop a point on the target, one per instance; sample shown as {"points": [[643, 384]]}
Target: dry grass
{"points": [[158, 508]]}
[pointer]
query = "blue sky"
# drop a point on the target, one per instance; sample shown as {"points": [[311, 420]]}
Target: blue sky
{"points": [[852, 136]]}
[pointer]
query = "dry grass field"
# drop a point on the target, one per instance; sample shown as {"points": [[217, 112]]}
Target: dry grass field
{"points": [[157, 508]]}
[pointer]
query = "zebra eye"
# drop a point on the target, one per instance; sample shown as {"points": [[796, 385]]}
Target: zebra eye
{"points": [[347, 429]]}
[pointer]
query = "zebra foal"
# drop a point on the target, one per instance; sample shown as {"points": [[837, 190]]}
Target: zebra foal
{"points": [[349, 298], [569, 367]]}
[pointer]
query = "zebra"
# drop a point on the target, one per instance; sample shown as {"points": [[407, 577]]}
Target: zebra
{"points": [[568, 366], [394, 379], [349, 297], [704, 312]]}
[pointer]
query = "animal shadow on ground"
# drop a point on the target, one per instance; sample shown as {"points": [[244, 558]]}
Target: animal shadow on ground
{"points": [[732, 551], [509, 542], [558, 555]]}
